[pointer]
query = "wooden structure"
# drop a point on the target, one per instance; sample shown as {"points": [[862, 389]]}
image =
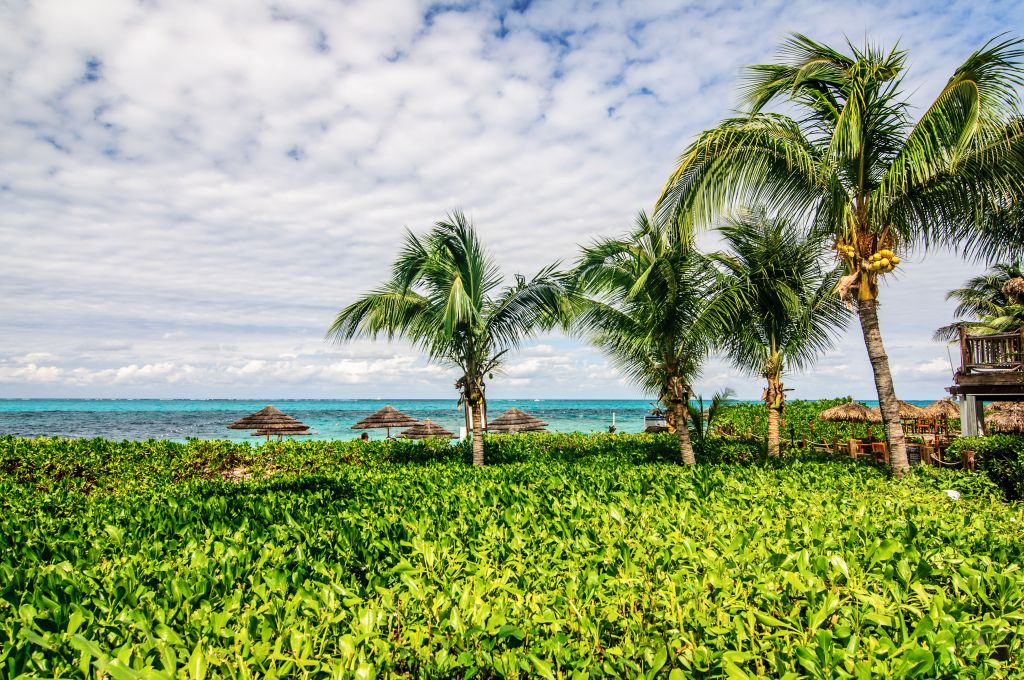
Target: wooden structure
{"points": [[270, 421], [428, 429], [385, 419], [991, 369], [514, 421]]}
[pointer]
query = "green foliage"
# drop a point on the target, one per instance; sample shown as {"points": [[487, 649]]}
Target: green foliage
{"points": [[982, 305], [342, 563], [801, 420], [1000, 456]]}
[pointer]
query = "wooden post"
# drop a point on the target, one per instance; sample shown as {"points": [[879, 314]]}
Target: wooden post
{"points": [[963, 350], [1022, 347]]}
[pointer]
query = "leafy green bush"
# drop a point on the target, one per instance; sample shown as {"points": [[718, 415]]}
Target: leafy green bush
{"points": [[577, 562], [799, 420], [1000, 456]]}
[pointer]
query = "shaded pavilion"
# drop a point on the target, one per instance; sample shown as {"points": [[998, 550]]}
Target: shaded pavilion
{"points": [[428, 429], [386, 418], [271, 421], [1006, 418], [942, 409], [513, 421], [851, 412]]}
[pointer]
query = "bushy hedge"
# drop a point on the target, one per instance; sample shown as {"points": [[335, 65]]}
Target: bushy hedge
{"points": [[800, 420], [593, 568], [1000, 456]]}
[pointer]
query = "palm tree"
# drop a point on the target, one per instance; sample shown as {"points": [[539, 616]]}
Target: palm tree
{"points": [[703, 419], [990, 303], [444, 296], [650, 306], [789, 312], [862, 172]]}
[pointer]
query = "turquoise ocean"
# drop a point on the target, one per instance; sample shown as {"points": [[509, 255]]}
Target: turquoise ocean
{"points": [[181, 419]]}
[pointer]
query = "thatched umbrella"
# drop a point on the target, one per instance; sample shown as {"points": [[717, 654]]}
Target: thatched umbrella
{"points": [[513, 421], [942, 409], [428, 429], [1007, 418], [284, 431], [387, 418], [851, 412], [907, 410], [269, 421]]}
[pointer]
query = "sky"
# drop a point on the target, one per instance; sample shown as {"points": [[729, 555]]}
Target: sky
{"points": [[191, 189]]}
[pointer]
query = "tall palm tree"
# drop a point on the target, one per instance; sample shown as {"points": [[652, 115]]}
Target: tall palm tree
{"points": [[649, 304], [862, 171], [788, 311], [990, 303], [444, 295]]}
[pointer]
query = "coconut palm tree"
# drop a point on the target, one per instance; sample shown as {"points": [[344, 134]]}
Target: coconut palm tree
{"points": [[990, 303], [788, 311], [855, 165], [650, 305], [445, 296]]}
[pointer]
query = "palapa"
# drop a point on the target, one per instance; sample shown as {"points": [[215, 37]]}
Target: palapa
{"points": [[513, 421], [907, 410], [428, 429], [850, 412], [386, 418], [270, 421], [1007, 418], [942, 409]]}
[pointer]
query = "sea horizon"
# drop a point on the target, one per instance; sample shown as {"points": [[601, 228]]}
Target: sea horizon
{"points": [[181, 419]]}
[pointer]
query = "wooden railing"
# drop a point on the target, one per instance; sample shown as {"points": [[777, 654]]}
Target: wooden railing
{"points": [[999, 352]]}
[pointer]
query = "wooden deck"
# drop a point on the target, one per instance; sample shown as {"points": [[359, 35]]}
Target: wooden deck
{"points": [[991, 369]]}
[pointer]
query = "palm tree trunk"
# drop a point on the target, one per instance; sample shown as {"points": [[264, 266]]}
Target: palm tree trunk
{"points": [[773, 396], [773, 432], [683, 433], [867, 310], [478, 434]]}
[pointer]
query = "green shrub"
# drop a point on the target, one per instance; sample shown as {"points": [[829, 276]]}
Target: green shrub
{"points": [[592, 557], [1000, 456]]}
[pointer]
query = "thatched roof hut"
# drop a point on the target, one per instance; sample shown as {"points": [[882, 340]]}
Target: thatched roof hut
{"points": [[386, 418], [513, 421], [943, 408], [270, 421], [850, 412], [428, 429], [907, 410], [1008, 418]]}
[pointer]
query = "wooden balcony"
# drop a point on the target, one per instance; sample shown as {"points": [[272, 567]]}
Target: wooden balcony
{"points": [[991, 369], [997, 353]]}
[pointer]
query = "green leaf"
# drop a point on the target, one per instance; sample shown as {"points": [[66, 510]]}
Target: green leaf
{"points": [[197, 663]]}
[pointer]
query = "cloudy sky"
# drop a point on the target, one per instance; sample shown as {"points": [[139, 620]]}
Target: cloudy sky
{"points": [[189, 190]]}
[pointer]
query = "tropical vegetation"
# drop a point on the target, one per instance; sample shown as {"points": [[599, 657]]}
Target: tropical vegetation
{"points": [[653, 305], [139, 560], [445, 295], [788, 312], [853, 164], [990, 303]]}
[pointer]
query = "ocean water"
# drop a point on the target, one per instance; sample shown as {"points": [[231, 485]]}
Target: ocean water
{"points": [[180, 419]]}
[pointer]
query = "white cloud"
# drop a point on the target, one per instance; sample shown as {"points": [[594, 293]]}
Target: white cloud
{"points": [[191, 190]]}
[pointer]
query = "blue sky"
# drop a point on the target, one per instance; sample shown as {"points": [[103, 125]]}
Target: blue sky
{"points": [[190, 190]]}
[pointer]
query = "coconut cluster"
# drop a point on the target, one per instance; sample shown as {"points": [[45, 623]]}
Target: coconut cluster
{"points": [[883, 261], [846, 250]]}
